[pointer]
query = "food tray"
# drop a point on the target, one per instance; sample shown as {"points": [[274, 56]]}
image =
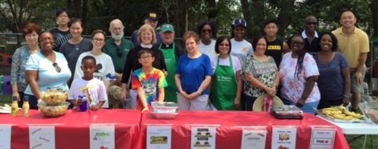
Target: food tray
{"points": [[339, 121], [287, 112], [164, 115], [164, 107], [365, 107]]}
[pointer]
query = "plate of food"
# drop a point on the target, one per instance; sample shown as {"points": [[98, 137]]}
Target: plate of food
{"points": [[341, 114], [6, 109]]}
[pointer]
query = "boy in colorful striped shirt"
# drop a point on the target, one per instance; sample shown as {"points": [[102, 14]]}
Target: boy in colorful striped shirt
{"points": [[149, 81]]}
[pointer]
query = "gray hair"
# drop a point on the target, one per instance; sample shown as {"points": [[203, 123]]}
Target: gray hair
{"points": [[115, 21]]}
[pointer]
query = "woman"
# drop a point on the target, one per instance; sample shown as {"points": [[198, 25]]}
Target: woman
{"points": [[62, 33], [333, 81], [105, 68], [20, 57], [46, 69], [298, 75], [193, 76], [208, 31], [75, 46], [147, 37], [241, 48], [260, 74], [226, 86]]}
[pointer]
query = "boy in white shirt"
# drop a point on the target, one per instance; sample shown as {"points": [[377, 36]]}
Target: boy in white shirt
{"points": [[88, 86]]}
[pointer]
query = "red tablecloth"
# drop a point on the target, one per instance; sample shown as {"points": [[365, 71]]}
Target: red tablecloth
{"points": [[72, 129], [229, 137]]}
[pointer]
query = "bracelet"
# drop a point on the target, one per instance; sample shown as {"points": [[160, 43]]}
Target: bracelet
{"points": [[346, 96], [199, 94]]}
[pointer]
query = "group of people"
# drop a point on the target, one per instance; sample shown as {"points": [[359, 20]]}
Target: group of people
{"points": [[311, 70]]}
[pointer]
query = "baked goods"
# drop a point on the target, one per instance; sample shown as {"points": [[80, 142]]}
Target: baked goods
{"points": [[373, 114], [53, 111], [54, 97]]}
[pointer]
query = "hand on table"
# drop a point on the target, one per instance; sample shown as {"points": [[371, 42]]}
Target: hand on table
{"points": [[145, 109], [345, 101], [95, 107]]}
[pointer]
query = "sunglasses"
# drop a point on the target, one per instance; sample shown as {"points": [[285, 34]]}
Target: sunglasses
{"points": [[311, 23], [207, 30], [57, 68], [119, 51]]}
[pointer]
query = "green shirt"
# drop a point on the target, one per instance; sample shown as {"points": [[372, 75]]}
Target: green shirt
{"points": [[118, 53]]}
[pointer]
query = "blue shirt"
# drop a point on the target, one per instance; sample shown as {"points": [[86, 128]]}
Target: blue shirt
{"points": [[19, 59], [48, 77], [193, 72], [330, 81]]}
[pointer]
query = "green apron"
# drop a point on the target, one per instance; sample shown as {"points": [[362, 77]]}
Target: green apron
{"points": [[170, 62], [223, 87]]}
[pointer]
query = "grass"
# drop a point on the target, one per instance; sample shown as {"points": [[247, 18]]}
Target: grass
{"points": [[355, 141]]}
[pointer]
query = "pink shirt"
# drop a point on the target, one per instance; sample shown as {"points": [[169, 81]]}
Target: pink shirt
{"points": [[292, 86]]}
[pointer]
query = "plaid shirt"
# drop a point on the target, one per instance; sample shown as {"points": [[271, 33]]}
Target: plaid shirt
{"points": [[19, 59]]}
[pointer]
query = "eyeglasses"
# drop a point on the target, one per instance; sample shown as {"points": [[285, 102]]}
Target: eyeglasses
{"points": [[145, 57], [297, 42], [57, 68], [311, 23], [207, 30]]}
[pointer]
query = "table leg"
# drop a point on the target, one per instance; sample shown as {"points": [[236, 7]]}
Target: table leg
{"points": [[364, 142]]}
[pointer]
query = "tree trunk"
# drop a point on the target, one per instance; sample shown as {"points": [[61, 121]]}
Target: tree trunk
{"points": [[258, 16], [247, 15], [374, 12], [84, 14], [212, 9], [284, 15]]}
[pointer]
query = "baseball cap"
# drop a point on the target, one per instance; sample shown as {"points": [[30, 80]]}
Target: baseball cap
{"points": [[167, 28], [239, 22], [152, 16]]}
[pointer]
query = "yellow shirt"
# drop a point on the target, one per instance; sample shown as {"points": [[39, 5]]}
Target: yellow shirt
{"points": [[352, 47]]}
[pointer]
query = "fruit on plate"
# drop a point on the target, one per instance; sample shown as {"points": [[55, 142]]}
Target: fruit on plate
{"points": [[341, 113]]}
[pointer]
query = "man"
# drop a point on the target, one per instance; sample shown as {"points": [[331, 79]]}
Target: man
{"points": [[117, 48], [354, 45], [276, 47], [172, 53], [310, 35], [151, 20]]}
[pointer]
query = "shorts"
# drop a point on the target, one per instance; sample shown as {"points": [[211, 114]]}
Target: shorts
{"points": [[355, 87]]}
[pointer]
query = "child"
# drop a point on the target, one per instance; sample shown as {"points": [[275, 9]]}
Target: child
{"points": [[88, 86], [149, 81]]}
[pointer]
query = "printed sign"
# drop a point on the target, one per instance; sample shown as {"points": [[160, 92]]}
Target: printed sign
{"points": [[5, 136], [253, 139], [203, 138], [102, 137], [284, 137], [42, 137], [322, 138], [159, 137]]}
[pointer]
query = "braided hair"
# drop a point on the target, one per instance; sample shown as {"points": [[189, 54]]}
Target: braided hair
{"points": [[301, 55]]}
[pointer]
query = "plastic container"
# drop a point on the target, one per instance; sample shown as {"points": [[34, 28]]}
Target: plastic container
{"points": [[84, 105], [54, 97], [370, 110], [164, 110], [53, 111]]}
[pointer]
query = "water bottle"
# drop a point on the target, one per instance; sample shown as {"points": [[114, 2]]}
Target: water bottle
{"points": [[84, 105]]}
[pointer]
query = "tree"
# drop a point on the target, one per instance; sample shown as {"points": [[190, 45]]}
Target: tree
{"points": [[374, 12]]}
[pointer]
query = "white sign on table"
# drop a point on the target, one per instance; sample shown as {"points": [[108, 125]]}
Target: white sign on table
{"points": [[102, 137], [203, 138], [284, 137], [42, 137], [159, 137], [322, 138], [5, 136], [253, 139]]}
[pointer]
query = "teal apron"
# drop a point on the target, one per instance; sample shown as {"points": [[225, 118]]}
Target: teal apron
{"points": [[170, 62], [223, 87]]}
